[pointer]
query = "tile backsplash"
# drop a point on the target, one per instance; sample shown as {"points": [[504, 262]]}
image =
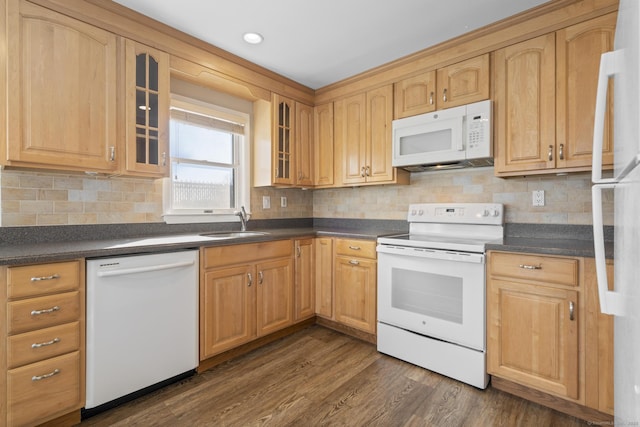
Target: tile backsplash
{"points": [[43, 198]]}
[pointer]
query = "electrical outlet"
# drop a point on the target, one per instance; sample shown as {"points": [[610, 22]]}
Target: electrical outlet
{"points": [[538, 198], [283, 202], [266, 202]]}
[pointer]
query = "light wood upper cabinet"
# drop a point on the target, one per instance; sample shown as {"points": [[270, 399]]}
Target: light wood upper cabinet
{"points": [[545, 100], [578, 51], [458, 84], [363, 138], [304, 145], [323, 146], [283, 128], [61, 91], [147, 110], [524, 105]]}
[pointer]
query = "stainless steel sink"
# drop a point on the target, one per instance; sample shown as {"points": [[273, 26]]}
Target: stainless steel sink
{"points": [[233, 234]]}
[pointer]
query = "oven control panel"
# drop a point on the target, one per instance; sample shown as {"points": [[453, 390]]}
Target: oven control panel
{"points": [[465, 213]]}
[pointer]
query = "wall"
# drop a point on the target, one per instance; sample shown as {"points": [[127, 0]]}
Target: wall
{"points": [[568, 198], [39, 198]]}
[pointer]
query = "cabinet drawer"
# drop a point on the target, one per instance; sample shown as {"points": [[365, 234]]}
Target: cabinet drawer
{"points": [[44, 389], [548, 270], [32, 280], [42, 344], [250, 252], [356, 248], [36, 313]]}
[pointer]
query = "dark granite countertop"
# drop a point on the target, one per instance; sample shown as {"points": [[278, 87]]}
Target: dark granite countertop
{"points": [[44, 244], [552, 239], [36, 252]]}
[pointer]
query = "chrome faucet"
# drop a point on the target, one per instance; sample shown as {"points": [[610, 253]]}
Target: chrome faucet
{"points": [[244, 218]]}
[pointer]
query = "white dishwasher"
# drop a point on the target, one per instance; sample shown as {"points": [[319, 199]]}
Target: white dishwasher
{"points": [[142, 324]]}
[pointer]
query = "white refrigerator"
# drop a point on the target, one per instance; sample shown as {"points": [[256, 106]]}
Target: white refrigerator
{"points": [[623, 302]]}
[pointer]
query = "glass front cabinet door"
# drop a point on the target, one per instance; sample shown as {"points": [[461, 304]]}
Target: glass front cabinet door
{"points": [[283, 135], [147, 110]]}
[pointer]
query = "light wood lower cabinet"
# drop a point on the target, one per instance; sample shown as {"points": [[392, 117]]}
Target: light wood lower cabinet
{"points": [[43, 361], [246, 292], [305, 290], [545, 331], [347, 291]]}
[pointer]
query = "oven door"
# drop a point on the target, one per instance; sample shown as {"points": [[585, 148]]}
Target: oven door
{"points": [[436, 293]]}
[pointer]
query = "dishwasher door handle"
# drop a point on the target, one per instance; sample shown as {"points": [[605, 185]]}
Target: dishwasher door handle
{"points": [[123, 271]]}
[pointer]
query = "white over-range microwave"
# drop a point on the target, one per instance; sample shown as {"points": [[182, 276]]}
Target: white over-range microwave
{"points": [[453, 138]]}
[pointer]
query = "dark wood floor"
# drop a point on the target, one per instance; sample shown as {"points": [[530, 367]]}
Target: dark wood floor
{"points": [[320, 377]]}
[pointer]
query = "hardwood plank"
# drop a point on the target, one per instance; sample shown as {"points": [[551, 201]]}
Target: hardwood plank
{"points": [[318, 376]]}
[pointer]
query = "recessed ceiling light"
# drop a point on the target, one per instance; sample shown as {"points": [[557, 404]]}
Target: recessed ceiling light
{"points": [[253, 38]]}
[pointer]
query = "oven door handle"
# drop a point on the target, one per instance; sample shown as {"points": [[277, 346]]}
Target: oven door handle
{"points": [[431, 253]]}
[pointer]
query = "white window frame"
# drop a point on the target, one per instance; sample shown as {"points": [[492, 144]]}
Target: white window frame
{"points": [[172, 215]]}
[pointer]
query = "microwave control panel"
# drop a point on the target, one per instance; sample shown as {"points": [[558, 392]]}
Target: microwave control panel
{"points": [[478, 127]]}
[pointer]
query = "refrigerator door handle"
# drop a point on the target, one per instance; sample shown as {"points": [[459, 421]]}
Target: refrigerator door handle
{"points": [[610, 302], [608, 68]]}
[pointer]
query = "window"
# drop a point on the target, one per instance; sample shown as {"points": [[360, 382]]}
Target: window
{"points": [[209, 163]]}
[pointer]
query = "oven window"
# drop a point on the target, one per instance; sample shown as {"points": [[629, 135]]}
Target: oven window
{"points": [[434, 295]]}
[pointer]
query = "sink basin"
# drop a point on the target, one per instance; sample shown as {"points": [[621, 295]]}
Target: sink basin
{"points": [[233, 234]]}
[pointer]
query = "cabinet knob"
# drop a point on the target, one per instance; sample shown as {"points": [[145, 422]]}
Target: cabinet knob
{"points": [[367, 170], [530, 267], [444, 94], [362, 173], [550, 152], [52, 277], [260, 277], [250, 279], [45, 344], [561, 152], [354, 262], [431, 98], [164, 158], [112, 154], [45, 376], [298, 251], [45, 311]]}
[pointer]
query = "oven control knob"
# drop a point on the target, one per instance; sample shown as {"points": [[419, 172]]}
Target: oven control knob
{"points": [[495, 212], [484, 213], [420, 212], [413, 212]]}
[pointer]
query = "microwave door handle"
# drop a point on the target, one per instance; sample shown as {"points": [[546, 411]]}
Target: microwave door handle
{"points": [[608, 68], [460, 127]]}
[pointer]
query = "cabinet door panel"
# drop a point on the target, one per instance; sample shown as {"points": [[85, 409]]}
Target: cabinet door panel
{"points": [[379, 116], [525, 105], [283, 155], [62, 91], [579, 48], [532, 337], [463, 83], [227, 307], [275, 295], [304, 145], [323, 146], [351, 123], [147, 110], [324, 276], [355, 293], [415, 95], [305, 292]]}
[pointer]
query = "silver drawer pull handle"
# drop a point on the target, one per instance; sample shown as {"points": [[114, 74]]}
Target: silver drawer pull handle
{"points": [[531, 267], [52, 277], [571, 310], [250, 279], [260, 277], [44, 344], [45, 376], [354, 262], [355, 248], [48, 310]]}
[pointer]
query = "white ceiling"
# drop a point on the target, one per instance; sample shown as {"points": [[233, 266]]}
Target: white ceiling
{"points": [[320, 42]]}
